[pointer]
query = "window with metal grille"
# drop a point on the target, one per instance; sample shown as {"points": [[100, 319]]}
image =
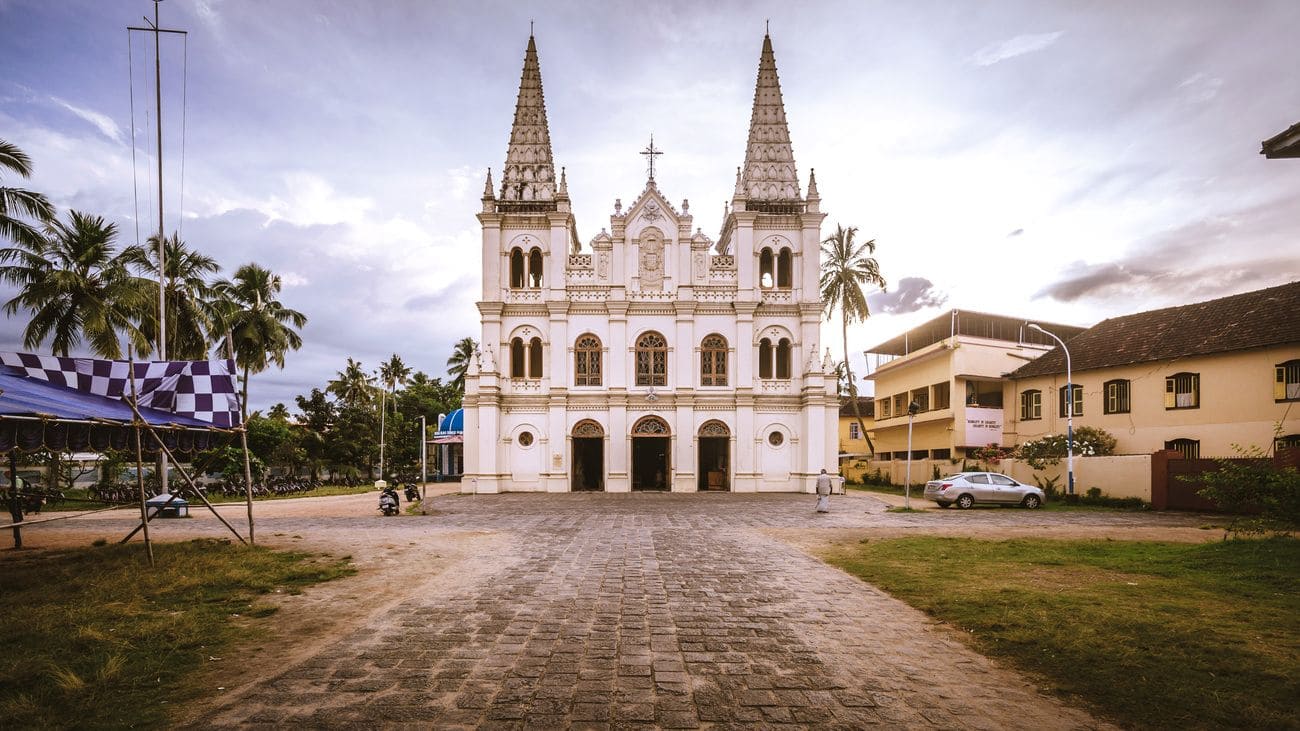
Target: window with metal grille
{"points": [[586, 361], [1076, 401], [1286, 381], [854, 431], [1183, 391], [1117, 397], [651, 360], [1031, 405], [1188, 448], [713, 361], [921, 397]]}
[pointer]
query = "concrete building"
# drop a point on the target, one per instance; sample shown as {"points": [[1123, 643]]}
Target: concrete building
{"points": [[652, 358], [953, 368], [1197, 378], [853, 440]]}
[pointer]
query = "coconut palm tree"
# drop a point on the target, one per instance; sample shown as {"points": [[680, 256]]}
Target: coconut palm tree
{"points": [[74, 287], [458, 363], [259, 328], [394, 373], [16, 203], [190, 300], [848, 267], [352, 386]]}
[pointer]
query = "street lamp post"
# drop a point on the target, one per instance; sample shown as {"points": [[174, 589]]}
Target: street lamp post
{"points": [[912, 408], [1069, 413]]}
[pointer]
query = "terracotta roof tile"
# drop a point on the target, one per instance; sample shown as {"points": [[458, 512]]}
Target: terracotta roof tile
{"points": [[1266, 317], [866, 403]]}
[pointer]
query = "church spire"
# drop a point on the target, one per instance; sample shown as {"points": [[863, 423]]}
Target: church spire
{"points": [[769, 173], [529, 173]]}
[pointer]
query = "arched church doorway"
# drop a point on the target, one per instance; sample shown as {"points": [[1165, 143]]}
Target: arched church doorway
{"points": [[715, 456], [588, 456], [651, 452]]}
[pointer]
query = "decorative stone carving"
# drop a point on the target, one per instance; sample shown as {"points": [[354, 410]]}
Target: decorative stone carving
{"points": [[651, 211], [602, 265], [588, 428], [651, 271], [714, 428], [651, 426]]}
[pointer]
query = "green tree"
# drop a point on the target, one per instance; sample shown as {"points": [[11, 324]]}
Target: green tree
{"points": [[352, 386], [17, 204], [458, 363], [316, 417], [259, 329], [848, 268], [393, 372], [74, 287], [190, 299], [350, 443]]}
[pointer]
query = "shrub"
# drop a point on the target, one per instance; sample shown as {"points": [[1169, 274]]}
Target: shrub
{"points": [[1089, 441], [1253, 483]]}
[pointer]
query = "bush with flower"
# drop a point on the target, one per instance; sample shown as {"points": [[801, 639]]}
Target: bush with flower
{"points": [[1089, 441]]}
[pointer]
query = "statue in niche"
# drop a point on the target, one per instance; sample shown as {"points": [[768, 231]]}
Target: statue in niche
{"points": [[652, 265], [700, 270], [602, 265]]}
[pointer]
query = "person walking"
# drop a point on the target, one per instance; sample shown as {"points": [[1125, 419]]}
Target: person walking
{"points": [[823, 492]]}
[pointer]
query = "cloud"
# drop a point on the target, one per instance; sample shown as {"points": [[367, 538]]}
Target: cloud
{"points": [[911, 294], [1206, 258], [1201, 87], [106, 126], [1015, 233], [1018, 46]]}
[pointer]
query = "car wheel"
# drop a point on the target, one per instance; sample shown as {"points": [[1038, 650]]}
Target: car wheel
{"points": [[1032, 502], [965, 501]]}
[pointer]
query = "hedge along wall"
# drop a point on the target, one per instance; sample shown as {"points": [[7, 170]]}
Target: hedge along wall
{"points": [[1119, 476]]}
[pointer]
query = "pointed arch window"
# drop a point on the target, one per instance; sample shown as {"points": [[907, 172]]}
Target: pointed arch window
{"points": [[586, 361], [651, 360], [784, 269], [535, 268], [517, 268], [765, 358], [535, 358], [517, 360], [766, 273], [713, 361]]}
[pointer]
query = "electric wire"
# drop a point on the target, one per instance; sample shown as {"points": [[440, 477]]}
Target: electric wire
{"points": [[185, 89], [135, 182]]}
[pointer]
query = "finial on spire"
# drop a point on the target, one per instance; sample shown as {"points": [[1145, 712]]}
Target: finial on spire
{"points": [[767, 27], [812, 184], [564, 182], [487, 185], [650, 153], [530, 27]]}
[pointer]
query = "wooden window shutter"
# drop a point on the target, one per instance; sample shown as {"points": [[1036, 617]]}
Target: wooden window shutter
{"points": [[1170, 398], [1279, 383]]}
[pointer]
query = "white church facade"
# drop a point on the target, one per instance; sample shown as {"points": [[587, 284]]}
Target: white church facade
{"points": [[653, 358]]}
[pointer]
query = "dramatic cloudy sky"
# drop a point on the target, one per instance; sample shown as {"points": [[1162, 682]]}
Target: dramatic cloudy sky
{"points": [[1063, 161]]}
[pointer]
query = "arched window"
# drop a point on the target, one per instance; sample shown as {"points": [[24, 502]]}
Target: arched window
{"points": [[713, 361], [765, 274], [586, 361], [516, 268], [1072, 404], [1117, 396], [784, 267], [517, 358], [783, 359], [535, 268], [765, 358], [535, 358], [651, 360]]}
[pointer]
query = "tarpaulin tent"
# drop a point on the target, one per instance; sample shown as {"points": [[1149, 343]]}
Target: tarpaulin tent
{"points": [[37, 415]]}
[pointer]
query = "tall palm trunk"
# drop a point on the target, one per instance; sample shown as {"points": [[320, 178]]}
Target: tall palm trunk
{"points": [[853, 387]]}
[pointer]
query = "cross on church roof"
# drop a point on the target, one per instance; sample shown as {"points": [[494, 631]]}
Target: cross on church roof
{"points": [[650, 153]]}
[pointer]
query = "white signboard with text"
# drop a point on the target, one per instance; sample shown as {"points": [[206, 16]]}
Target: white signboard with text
{"points": [[983, 427]]}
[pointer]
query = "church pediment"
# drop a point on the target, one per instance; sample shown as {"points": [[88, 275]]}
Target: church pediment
{"points": [[652, 209]]}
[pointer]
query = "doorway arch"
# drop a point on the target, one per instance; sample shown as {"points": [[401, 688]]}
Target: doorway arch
{"points": [[588, 463], [651, 454], [715, 456]]}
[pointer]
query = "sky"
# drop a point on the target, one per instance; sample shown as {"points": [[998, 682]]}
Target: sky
{"points": [[1060, 161]]}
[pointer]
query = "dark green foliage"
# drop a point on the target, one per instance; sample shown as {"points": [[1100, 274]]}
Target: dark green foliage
{"points": [[1254, 484]]}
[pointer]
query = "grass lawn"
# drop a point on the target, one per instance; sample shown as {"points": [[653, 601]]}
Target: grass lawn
{"points": [[324, 491], [94, 637], [1153, 635]]}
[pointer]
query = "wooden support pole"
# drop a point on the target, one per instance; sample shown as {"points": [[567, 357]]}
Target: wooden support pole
{"points": [[136, 422]]}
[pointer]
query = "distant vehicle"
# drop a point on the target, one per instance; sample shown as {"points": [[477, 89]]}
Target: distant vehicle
{"points": [[982, 488]]}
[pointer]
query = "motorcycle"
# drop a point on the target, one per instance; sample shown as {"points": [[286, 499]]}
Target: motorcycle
{"points": [[412, 492], [388, 502]]}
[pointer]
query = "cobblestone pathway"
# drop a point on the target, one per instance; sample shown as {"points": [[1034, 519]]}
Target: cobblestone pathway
{"points": [[628, 611]]}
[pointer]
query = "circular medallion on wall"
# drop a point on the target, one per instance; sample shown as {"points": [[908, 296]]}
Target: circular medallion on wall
{"points": [[776, 439], [525, 439]]}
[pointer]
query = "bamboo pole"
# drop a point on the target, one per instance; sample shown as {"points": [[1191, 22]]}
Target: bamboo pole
{"points": [[139, 458], [243, 436]]}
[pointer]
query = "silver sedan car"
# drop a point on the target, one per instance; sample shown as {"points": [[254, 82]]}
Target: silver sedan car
{"points": [[984, 488]]}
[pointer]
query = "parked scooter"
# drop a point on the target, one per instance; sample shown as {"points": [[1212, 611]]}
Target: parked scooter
{"points": [[388, 504], [412, 492]]}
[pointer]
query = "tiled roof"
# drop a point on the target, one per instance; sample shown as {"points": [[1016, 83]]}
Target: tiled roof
{"points": [[1266, 317], [866, 404]]}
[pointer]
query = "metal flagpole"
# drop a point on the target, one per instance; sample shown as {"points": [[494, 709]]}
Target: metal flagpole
{"points": [[424, 460]]}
